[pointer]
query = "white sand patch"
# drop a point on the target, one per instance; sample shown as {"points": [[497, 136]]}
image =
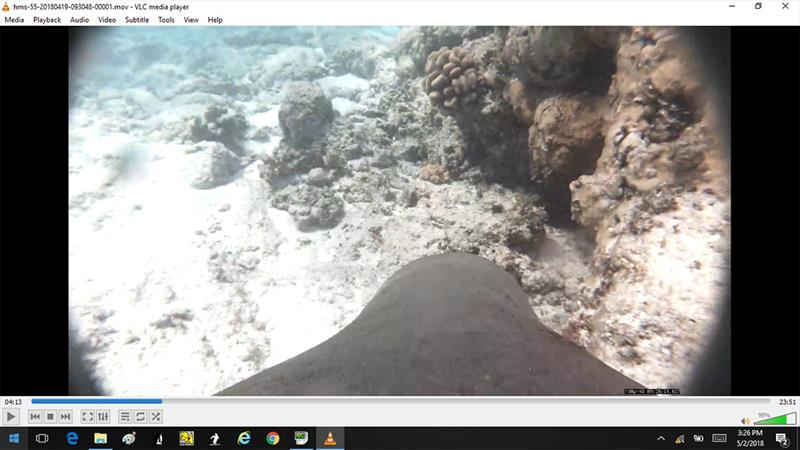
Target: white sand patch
{"points": [[267, 118], [347, 86], [346, 107]]}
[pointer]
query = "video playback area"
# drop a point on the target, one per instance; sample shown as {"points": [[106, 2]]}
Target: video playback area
{"points": [[249, 193]]}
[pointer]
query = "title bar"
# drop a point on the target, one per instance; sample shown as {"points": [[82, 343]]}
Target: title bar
{"points": [[401, 12]]}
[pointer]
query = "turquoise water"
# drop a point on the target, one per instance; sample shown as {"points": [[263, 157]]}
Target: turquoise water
{"points": [[123, 48]]}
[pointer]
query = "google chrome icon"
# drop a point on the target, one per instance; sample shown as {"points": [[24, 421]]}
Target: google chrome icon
{"points": [[273, 438]]}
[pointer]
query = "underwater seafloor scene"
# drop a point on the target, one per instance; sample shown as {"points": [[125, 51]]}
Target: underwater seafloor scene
{"points": [[237, 195]]}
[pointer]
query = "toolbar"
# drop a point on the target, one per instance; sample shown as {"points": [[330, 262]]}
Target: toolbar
{"points": [[636, 411]]}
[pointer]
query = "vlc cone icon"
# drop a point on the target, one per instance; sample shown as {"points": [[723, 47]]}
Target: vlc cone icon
{"points": [[329, 440], [5, 7]]}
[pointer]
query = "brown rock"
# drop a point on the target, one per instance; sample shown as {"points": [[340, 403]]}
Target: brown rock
{"points": [[429, 79], [458, 85], [591, 199], [567, 136], [522, 102], [439, 82], [472, 80], [434, 173], [442, 59], [469, 98], [431, 61], [674, 79]]}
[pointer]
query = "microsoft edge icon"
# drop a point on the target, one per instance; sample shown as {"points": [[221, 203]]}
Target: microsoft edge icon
{"points": [[244, 438], [72, 438]]}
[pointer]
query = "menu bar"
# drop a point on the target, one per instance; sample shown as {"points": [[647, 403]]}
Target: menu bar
{"points": [[400, 12]]}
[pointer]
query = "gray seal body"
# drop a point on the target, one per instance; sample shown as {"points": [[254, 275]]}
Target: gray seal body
{"points": [[451, 324]]}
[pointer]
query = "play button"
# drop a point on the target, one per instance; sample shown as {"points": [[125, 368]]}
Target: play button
{"points": [[11, 416]]}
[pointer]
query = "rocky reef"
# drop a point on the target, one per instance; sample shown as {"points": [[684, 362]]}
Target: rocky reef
{"points": [[215, 165], [584, 161], [566, 136], [304, 117], [577, 59], [219, 124], [658, 137], [603, 131], [304, 114], [620, 141]]}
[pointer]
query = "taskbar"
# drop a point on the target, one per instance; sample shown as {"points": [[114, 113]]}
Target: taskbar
{"points": [[396, 438]]}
